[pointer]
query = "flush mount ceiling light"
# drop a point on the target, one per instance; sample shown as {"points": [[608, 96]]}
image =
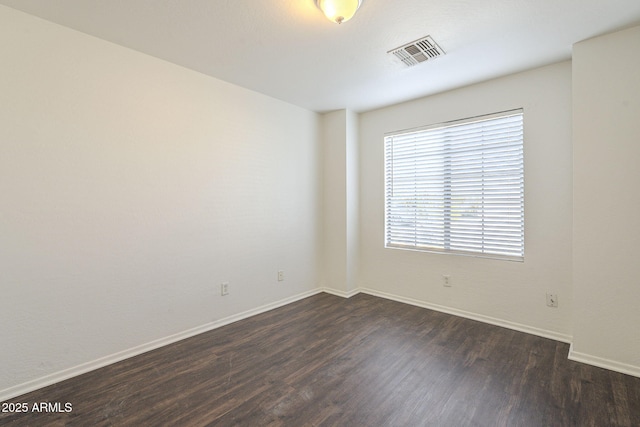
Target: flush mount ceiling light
{"points": [[339, 11]]}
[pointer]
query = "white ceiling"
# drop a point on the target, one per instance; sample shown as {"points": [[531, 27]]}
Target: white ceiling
{"points": [[287, 49]]}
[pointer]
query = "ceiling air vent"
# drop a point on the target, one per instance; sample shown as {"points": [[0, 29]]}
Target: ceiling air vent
{"points": [[418, 51]]}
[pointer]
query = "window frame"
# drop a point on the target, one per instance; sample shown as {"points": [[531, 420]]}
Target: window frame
{"points": [[446, 201]]}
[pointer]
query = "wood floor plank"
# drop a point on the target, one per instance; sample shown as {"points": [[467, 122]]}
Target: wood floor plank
{"points": [[363, 361]]}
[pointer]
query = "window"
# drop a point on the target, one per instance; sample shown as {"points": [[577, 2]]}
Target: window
{"points": [[457, 187]]}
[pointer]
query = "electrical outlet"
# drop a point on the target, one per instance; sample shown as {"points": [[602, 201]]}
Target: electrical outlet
{"points": [[224, 288], [446, 281], [552, 300], [280, 275]]}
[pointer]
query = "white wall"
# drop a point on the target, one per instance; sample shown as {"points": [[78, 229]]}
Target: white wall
{"points": [[353, 196], [606, 218], [130, 188], [334, 254], [503, 292], [339, 135]]}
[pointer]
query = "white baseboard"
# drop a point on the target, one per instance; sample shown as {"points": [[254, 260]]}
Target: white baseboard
{"points": [[56, 377], [339, 293], [38, 383], [588, 359], [600, 362], [473, 316]]}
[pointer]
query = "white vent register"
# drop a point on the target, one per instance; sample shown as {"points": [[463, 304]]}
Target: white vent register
{"points": [[418, 51]]}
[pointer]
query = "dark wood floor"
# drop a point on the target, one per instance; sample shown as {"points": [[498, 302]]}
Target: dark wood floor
{"points": [[364, 361]]}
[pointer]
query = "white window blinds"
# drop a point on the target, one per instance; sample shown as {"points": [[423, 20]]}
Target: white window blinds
{"points": [[457, 187]]}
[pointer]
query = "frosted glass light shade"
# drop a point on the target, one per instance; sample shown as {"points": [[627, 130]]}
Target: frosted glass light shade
{"points": [[339, 11]]}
